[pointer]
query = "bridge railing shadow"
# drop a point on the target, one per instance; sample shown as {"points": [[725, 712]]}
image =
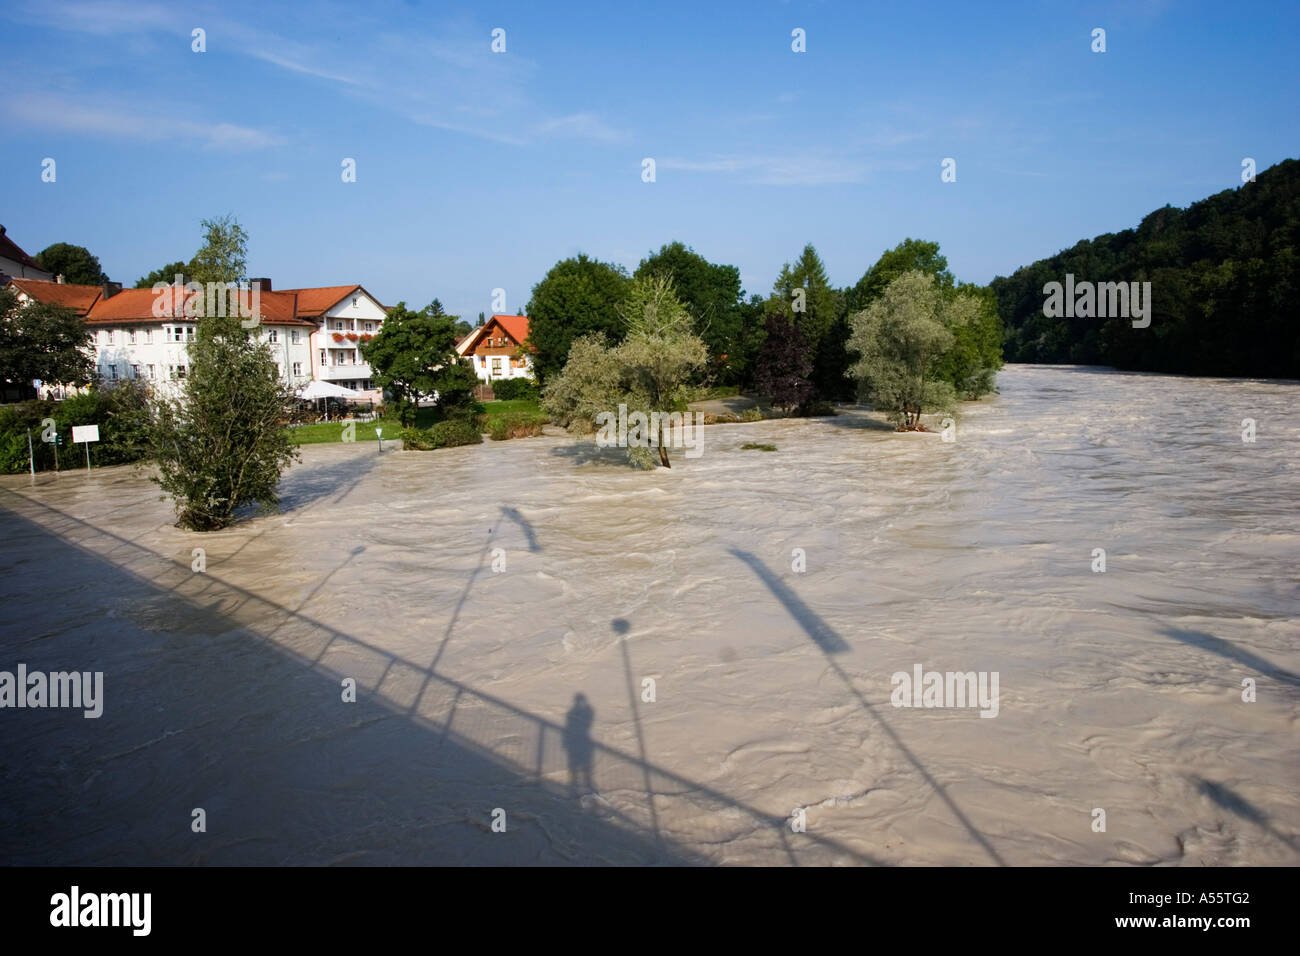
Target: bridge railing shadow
{"points": [[640, 797]]}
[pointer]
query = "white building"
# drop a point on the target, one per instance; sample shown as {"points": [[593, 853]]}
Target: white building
{"points": [[16, 263], [142, 334], [497, 348]]}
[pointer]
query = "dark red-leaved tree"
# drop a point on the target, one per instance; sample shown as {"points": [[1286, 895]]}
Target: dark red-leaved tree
{"points": [[783, 364]]}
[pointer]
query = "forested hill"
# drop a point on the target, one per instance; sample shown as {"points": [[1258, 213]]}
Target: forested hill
{"points": [[1225, 288]]}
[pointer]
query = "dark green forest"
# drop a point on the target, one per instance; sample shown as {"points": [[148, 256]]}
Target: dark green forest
{"points": [[1224, 274]]}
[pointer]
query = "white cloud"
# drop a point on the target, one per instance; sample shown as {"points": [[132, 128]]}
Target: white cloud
{"points": [[586, 126], [791, 170], [49, 111]]}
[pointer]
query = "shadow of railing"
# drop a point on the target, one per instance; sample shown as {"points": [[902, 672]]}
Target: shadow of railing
{"points": [[691, 821], [830, 642]]}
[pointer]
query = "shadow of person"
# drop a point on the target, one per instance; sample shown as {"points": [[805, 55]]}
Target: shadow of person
{"points": [[579, 745]]}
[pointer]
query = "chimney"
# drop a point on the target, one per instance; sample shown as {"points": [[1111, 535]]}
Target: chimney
{"points": [[59, 278], [110, 288], [262, 285]]}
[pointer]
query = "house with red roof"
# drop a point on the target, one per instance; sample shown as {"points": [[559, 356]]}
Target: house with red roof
{"points": [[498, 348], [314, 333], [14, 262]]}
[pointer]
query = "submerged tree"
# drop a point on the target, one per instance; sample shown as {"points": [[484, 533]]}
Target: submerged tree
{"points": [[901, 336], [222, 443], [649, 371]]}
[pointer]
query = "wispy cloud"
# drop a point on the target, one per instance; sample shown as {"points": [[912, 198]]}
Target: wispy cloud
{"points": [[296, 67], [788, 170], [48, 111], [584, 126]]}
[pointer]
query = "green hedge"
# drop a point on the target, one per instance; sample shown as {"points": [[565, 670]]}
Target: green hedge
{"points": [[511, 388], [121, 412], [448, 434]]}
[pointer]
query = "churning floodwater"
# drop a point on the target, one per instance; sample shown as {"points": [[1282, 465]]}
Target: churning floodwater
{"points": [[677, 665]]}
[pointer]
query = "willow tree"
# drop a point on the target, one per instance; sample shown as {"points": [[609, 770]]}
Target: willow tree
{"points": [[649, 371], [902, 336]]}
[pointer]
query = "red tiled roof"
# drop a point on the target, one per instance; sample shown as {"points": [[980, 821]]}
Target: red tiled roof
{"points": [[79, 298], [515, 326], [320, 300], [137, 305]]}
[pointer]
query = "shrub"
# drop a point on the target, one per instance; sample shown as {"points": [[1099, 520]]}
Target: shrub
{"points": [[513, 388], [454, 432], [757, 446], [415, 439], [817, 410], [751, 415], [503, 427], [121, 412]]}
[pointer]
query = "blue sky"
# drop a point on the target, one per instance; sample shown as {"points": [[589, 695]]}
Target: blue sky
{"points": [[478, 170]]}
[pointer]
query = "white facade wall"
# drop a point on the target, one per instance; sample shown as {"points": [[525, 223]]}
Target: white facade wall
{"points": [[156, 351], [340, 362]]}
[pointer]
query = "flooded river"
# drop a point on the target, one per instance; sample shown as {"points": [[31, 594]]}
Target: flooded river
{"points": [[559, 659]]}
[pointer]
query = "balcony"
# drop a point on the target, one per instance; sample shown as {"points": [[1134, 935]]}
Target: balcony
{"points": [[336, 373]]}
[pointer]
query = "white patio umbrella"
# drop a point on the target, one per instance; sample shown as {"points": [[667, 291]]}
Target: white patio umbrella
{"points": [[317, 389]]}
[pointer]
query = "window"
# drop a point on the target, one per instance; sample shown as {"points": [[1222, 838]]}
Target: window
{"points": [[150, 368], [273, 335], [130, 336], [148, 340], [177, 335], [496, 366], [338, 325], [135, 371], [354, 303], [323, 359], [176, 371], [482, 361], [293, 336], [297, 367], [370, 326], [189, 332], [112, 373], [279, 369]]}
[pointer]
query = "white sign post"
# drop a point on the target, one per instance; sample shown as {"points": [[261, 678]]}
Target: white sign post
{"points": [[87, 434], [379, 434]]}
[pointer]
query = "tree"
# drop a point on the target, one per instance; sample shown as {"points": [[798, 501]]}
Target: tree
{"points": [[168, 274], [783, 364], [74, 263], [813, 310], [223, 257], [42, 341], [223, 443], [463, 329], [407, 353], [710, 292], [909, 255], [577, 297], [901, 336], [649, 371]]}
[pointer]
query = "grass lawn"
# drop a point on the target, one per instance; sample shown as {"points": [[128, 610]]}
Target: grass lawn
{"points": [[333, 431], [424, 418]]}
